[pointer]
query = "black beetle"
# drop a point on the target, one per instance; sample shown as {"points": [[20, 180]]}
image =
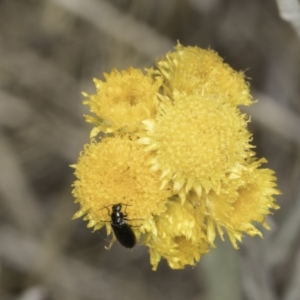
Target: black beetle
{"points": [[123, 232]]}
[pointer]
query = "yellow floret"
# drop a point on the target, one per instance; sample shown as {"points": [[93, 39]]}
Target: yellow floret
{"points": [[180, 236], [116, 171], [196, 143], [241, 203], [255, 201], [122, 101], [192, 70]]}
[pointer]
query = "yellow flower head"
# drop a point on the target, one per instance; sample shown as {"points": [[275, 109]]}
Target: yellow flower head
{"points": [[116, 171], [242, 202], [196, 142], [178, 158], [192, 70], [256, 189], [122, 101], [180, 236]]}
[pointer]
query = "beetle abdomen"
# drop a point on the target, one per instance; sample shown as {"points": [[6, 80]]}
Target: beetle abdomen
{"points": [[124, 234]]}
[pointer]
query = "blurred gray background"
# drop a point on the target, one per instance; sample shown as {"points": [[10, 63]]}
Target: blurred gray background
{"points": [[49, 53]]}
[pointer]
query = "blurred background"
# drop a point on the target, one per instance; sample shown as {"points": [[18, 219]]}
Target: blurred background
{"points": [[49, 53]]}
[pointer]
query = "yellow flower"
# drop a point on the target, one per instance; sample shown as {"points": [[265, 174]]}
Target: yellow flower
{"points": [[196, 142], [122, 101], [180, 236], [176, 155], [256, 189], [192, 70], [116, 171], [241, 203]]}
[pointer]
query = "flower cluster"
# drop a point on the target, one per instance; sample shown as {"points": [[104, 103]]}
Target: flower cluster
{"points": [[175, 149]]}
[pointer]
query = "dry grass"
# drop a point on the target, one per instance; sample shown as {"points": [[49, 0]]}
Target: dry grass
{"points": [[49, 52]]}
